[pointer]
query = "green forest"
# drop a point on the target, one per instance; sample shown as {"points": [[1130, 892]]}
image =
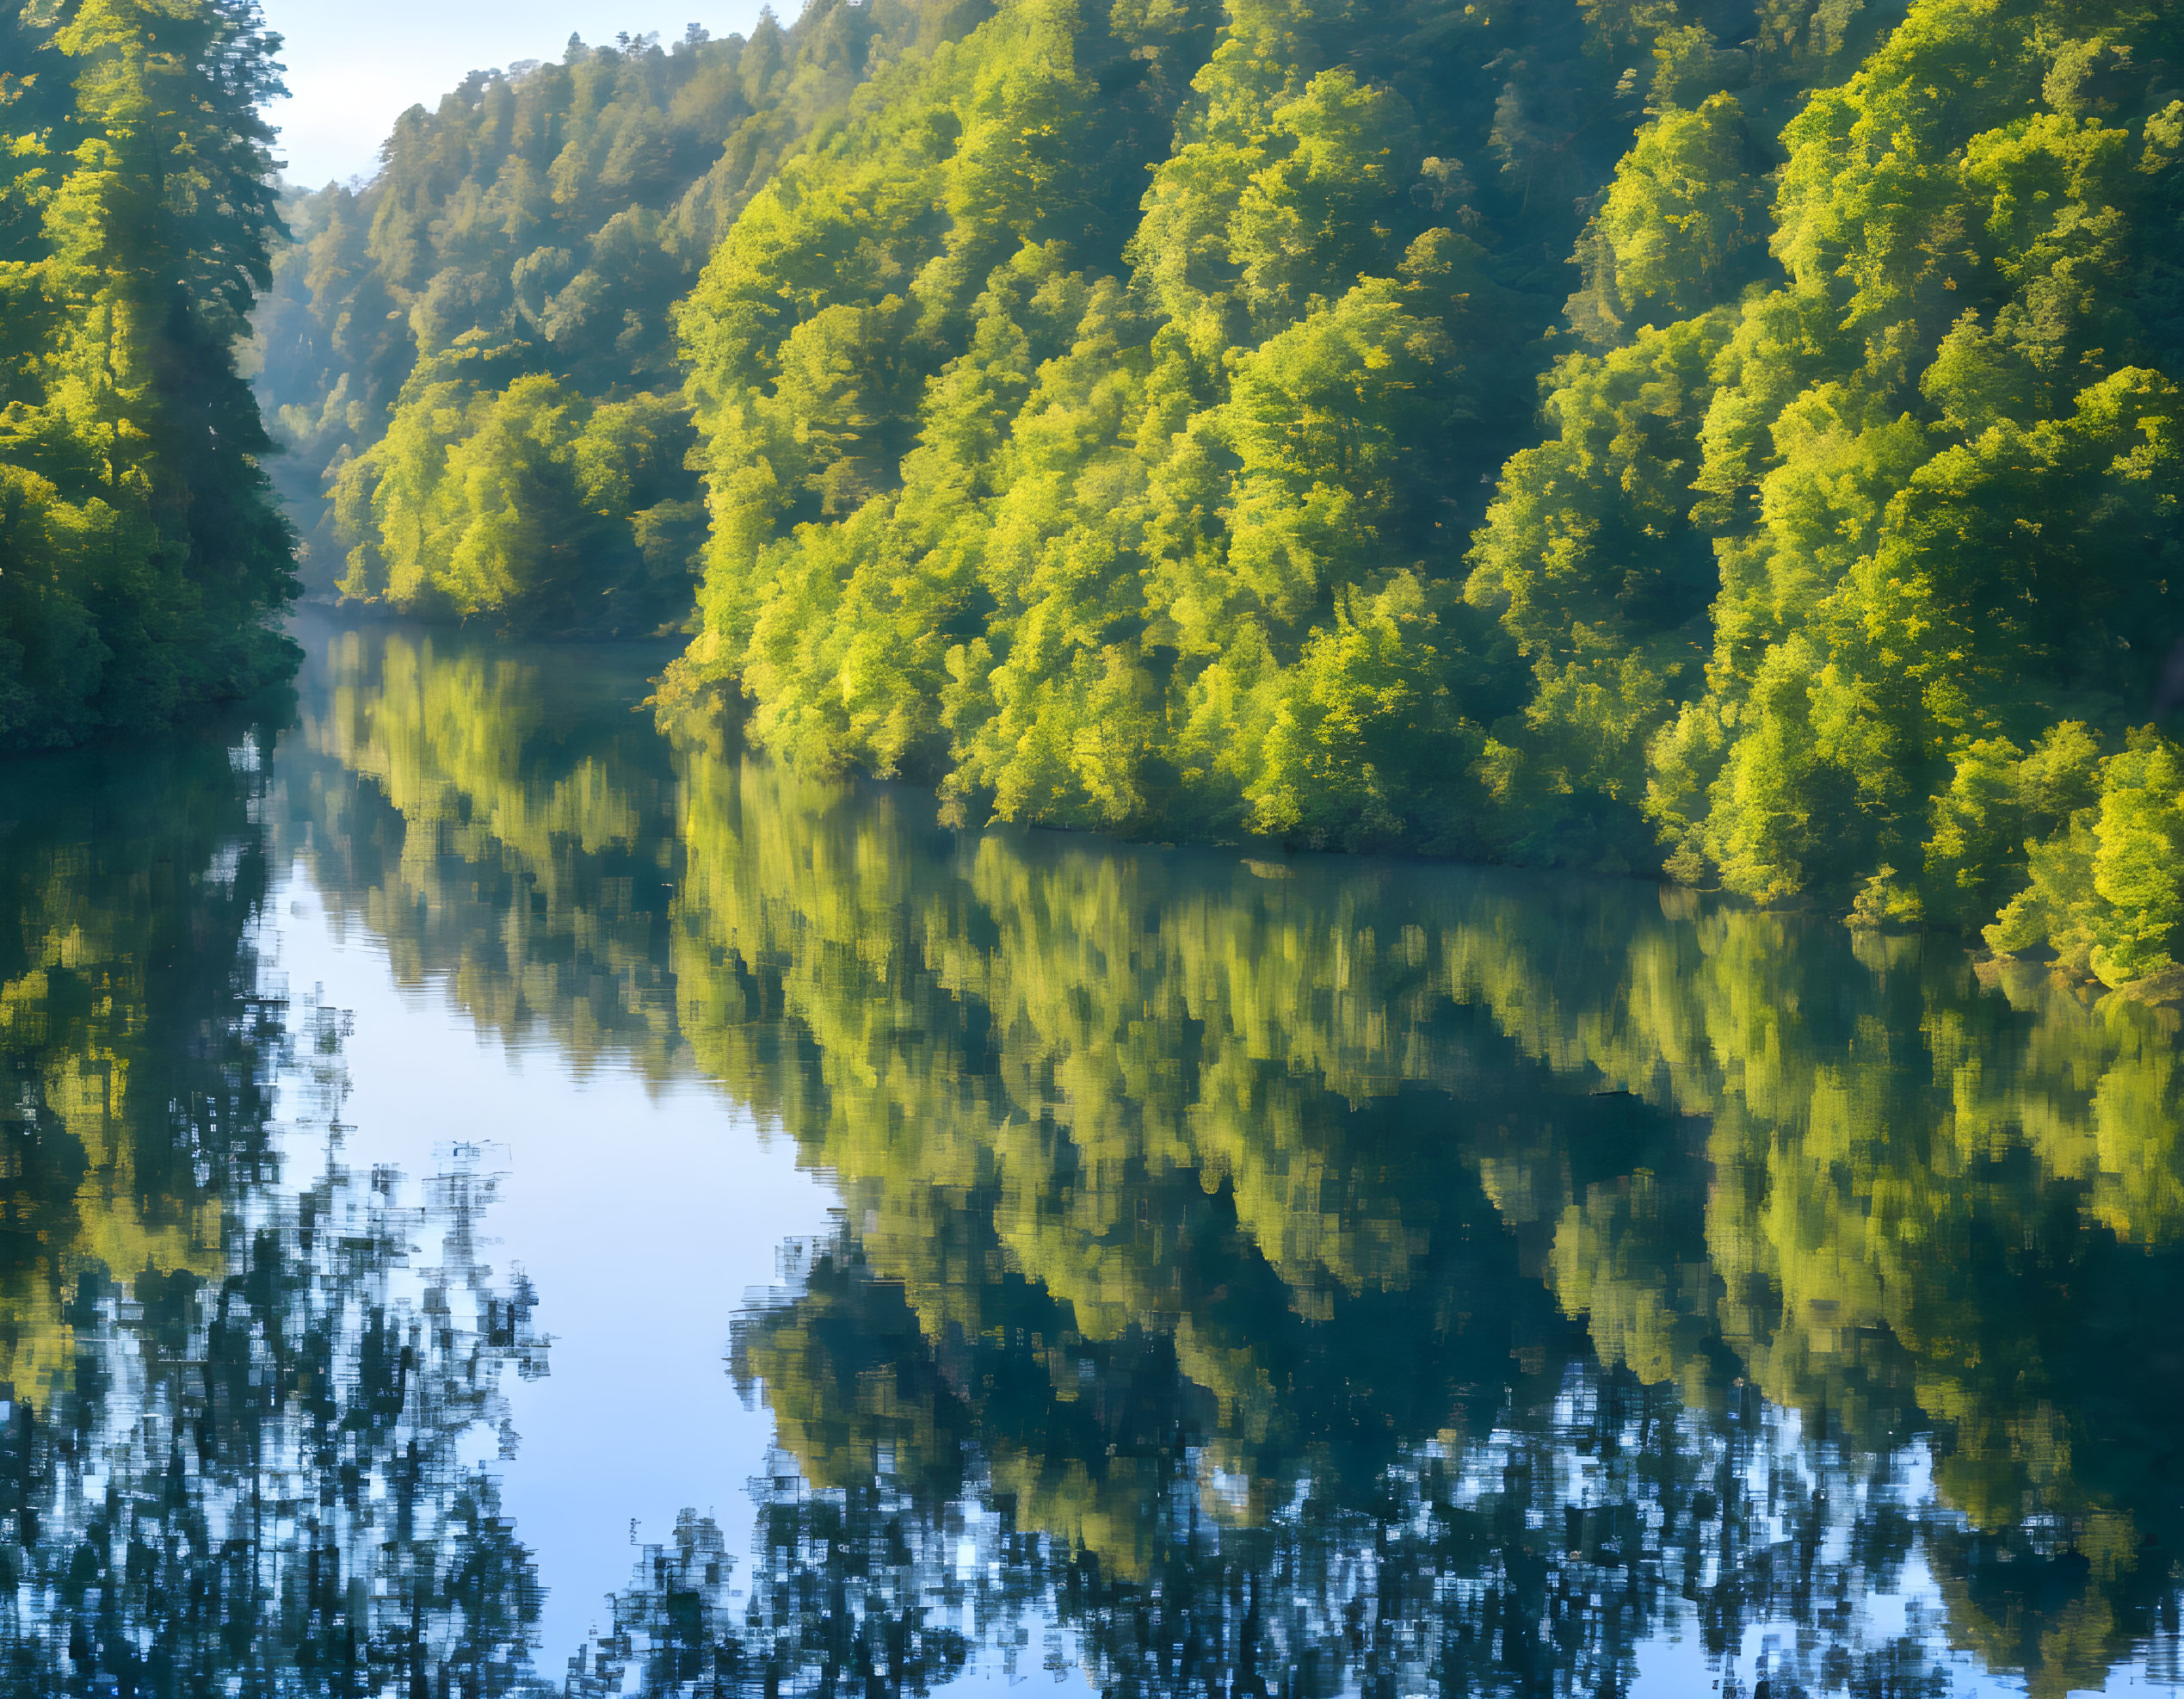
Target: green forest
{"points": [[665, 577], [1595, 434], [1735, 444], [142, 549]]}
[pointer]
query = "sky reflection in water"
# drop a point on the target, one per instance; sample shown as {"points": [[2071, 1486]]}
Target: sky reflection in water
{"points": [[1197, 1271]]}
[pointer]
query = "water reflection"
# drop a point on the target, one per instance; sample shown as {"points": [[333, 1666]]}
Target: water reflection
{"points": [[1251, 1275], [1354, 1146], [229, 1459], [500, 820]]}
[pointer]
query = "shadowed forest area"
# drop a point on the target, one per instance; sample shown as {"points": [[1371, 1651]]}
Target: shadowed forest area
{"points": [[142, 550]]}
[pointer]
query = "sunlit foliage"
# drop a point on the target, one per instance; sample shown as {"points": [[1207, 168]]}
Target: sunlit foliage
{"points": [[469, 358], [1118, 418]]}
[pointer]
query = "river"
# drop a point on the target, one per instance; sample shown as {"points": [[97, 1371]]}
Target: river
{"points": [[502, 1197]]}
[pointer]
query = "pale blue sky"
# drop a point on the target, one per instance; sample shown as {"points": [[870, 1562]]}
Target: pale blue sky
{"points": [[353, 67]]}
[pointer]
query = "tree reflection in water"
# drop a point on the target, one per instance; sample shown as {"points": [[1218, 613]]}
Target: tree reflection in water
{"points": [[230, 1457], [1378, 1158], [1252, 1276]]}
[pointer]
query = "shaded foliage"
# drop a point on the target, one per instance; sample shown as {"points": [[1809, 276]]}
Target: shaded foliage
{"points": [[141, 550]]}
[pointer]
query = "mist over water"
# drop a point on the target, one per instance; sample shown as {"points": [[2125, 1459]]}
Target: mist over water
{"points": [[502, 1197]]}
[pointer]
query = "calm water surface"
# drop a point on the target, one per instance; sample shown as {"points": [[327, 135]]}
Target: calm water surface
{"points": [[498, 1198]]}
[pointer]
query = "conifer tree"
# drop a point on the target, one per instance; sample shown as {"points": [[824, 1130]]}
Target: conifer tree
{"points": [[140, 551]]}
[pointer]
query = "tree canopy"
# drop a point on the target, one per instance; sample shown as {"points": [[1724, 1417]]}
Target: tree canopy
{"points": [[469, 356], [141, 550], [1743, 446]]}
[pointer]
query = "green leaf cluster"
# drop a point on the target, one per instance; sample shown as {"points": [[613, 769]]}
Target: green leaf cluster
{"points": [[1888, 535], [141, 553], [1956, 521], [1123, 416], [481, 499], [1127, 509], [536, 228]]}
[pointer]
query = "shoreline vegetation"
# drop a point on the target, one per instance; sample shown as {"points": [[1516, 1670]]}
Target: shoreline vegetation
{"points": [[1616, 435], [144, 557]]}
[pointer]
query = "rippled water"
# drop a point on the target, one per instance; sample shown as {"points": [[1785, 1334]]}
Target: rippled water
{"points": [[497, 1197]]}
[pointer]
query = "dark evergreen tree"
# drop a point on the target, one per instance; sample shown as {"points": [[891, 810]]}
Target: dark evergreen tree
{"points": [[141, 553]]}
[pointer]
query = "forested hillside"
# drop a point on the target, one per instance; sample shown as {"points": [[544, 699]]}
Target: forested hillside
{"points": [[141, 552], [470, 360], [1588, 432]]}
